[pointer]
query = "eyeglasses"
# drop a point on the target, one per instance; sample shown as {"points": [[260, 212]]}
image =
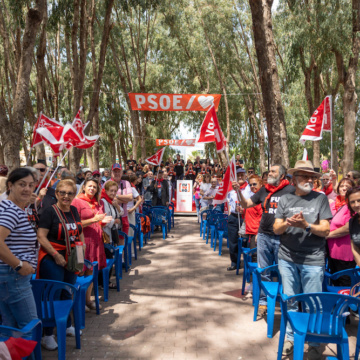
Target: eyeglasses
{"points": [[307, 177], [325, 180], [253, 184], [41, 169], [250, 171], [64, 193]]}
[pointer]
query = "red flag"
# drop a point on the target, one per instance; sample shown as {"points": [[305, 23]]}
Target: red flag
{"points": [[156, 158], [210, 130], [319, 121], [232, 167], [42, 122], [78, 124], [52, 135], [220, 196]]}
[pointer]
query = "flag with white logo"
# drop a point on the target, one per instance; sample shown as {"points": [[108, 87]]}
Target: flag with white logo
{"points": [[156, 158], [221, 194]]}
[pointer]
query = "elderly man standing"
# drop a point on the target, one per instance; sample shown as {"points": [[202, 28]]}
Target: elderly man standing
{"points": [[267, 242], [302, 220], [124, 194], [236, 214]]}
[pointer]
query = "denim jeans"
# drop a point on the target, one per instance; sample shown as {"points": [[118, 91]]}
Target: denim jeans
{"points": [[267, 254], [233, 235], [298, 279], [52, 271], [197, 204], [17, 304]]}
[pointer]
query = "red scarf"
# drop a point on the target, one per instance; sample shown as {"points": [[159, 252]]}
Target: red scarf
{"points": [[92, 202], [43, 184], [132, 185], [105, 196], [273, 189], [144, 176], [339, 203], [243, 186], [328, 190], [160, 180]]}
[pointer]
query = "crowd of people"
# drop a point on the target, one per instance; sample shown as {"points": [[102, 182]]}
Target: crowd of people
{"points": [[297, 218]]}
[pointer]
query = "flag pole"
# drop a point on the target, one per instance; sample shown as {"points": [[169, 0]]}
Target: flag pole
{"points": [[57, 168]]}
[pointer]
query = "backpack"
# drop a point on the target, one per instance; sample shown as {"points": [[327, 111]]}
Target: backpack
{"points": [[145, 225]]}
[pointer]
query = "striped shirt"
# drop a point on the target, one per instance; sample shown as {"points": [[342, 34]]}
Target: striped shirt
{"points": [[22, 239]]}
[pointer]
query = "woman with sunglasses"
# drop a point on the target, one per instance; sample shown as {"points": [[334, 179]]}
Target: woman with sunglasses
{"points": [[340, 256], [93, 219], [52, 254]]}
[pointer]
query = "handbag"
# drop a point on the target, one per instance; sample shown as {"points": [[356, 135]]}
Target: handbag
{"points": [[73, 265]]}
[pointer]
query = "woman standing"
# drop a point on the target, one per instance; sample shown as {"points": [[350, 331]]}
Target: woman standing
{"points": [[205, 186], [353, 226], [53, 255], [18, 243], [92, 219], [196, 189], [340, 257], [132, 205]]}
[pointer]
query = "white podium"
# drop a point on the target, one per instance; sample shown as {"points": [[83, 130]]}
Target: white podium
{"points": [[184, 195]]}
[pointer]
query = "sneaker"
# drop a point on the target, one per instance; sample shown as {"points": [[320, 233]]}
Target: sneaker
{"points": [[87, 309], [249, 288], [262, 310], [49, 343], [173, 199], [314, 353], [70, 331], [288, 348]]}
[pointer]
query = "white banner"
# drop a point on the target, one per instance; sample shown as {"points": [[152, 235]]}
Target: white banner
{"points": [[184, 195]]}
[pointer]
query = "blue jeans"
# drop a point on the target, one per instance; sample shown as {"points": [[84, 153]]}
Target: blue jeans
{"points": [[267, 254], [298, 279], [52, 271], [17, 304], [197, 204]]}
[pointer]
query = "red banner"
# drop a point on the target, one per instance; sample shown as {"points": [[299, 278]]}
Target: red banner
{"points": [[156, 158], [173, 102], [175, 142], [320, 120], [223, 189]]}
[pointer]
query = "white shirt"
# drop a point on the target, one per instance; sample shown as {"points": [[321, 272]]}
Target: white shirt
{"points": [[204, 187], [135, 194], [210, 192], [232, 197]]}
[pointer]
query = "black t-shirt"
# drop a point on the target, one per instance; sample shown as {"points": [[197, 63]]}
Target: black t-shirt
{"points": [[131, 163], [48, 200], [268, 216], [179, 167], [49, 220], [354, 229]]}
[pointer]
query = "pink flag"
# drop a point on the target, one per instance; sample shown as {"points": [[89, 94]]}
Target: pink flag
{"points": [[156, 158], [42, 122], [220, 196], [320, 120]]}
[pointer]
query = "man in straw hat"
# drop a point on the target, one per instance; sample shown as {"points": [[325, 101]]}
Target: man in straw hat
{"points": [[302, 220]]}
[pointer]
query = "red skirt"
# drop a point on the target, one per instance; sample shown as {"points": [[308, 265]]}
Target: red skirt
{"points": [[95, 250]]}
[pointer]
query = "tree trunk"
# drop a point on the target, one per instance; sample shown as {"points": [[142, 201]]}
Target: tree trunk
{"points": [[96, 147], [143, 135], [40, 152], [12, 129], [112, 149], [264, 40], [121, 147], [2, 159]]}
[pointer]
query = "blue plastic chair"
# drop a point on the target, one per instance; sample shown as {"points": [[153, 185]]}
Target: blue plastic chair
{"points": [[124, 249], [321, 320], [159, 218], [241, 250], [132, 239], [212, 220], [249, 268], [203, 222], [272, 290], [172, 214], [221, 232], [106, 271], [54, 312], [118, 265], [84, 282], [354, 275], [168, 217], [32, 331]]}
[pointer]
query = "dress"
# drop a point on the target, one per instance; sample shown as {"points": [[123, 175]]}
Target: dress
{"points": [[93, 233]]}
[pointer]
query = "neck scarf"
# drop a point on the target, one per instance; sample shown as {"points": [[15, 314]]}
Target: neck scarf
{"points": [[105, 196], [92, 202], [328, 190], [339, 203], [243, 186], [160, 180], [132, 185], [273, 189]]}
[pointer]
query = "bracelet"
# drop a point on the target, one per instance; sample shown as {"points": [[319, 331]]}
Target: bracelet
{"points": [[54, 253]]}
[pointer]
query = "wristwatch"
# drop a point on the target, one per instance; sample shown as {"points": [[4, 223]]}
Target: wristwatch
{"points": [[18, 267], [308, 228]]}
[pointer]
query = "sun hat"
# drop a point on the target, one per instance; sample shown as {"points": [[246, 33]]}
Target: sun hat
{"points": [[303, 165]]}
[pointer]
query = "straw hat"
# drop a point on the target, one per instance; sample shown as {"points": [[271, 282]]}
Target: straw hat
{"points": [[304, 165]]}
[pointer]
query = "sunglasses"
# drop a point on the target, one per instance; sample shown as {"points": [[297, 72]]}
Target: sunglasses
{"points": [[253, 184], [250, 172], [42, 169], [64, 193]]}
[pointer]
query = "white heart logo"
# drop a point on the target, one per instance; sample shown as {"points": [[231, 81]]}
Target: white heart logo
{"points": [[189, 142], [205, 101]]}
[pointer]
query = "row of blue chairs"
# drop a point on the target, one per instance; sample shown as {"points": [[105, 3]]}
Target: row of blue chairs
{"points": [[54, 312]]}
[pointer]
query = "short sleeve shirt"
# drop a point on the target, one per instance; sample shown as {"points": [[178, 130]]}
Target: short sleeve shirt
{"points": [[354, 229], [232, 197], [298, 245], [179, 167], [269, 208]]}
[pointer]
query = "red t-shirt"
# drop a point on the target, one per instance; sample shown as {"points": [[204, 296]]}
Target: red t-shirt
{"points": [[252, 219]]}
